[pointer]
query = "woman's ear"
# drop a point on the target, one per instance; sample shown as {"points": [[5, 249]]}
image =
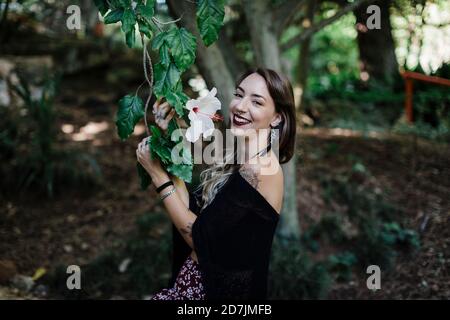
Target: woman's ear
{"points": [[276, 120]]}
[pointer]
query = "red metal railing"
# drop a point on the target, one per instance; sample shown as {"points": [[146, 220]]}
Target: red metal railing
{"points": [[409, 88]]}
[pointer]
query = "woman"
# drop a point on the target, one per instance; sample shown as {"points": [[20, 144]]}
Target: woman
{"points": [[223, 231]]}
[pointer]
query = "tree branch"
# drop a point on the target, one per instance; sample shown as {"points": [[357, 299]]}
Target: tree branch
{"points": [[283, 13], [322, 24]]}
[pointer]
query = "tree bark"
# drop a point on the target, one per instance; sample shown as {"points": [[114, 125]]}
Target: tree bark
{"points": [[264, 40], [376, 46], [303, 59]]}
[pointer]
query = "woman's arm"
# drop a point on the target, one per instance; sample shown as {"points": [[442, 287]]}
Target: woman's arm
{"points": [[177, 204], [182, 191]]}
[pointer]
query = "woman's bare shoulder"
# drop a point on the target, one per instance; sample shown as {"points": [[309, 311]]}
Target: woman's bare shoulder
{"points": [[266, 180]]}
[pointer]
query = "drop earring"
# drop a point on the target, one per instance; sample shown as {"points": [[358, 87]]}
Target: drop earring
{"points": [[273, 135]]}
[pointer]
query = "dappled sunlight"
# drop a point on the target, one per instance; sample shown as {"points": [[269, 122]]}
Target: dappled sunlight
{"points": [[87, 132], [139, 129], [341, 132]]}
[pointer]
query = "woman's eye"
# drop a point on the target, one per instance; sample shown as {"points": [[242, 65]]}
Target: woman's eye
{"points": [[258, 103], [237, 95]]}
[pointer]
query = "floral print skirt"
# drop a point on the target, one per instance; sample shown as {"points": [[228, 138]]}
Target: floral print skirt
{"points": [[188, 285]]}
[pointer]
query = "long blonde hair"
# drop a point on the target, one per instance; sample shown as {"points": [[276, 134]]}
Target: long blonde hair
{"points": [[280, 89], [214, 178]]}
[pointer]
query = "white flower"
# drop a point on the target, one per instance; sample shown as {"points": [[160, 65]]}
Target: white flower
{"points": [[202, 112]]}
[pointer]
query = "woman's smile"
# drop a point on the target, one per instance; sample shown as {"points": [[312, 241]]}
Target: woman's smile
{"points": [[240, 121]]}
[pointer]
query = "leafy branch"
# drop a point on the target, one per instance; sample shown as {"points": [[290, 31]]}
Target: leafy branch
{"points": [[176, 48]]}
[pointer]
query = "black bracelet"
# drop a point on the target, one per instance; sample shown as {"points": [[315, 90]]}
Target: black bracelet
{"points": [[164, 185]]}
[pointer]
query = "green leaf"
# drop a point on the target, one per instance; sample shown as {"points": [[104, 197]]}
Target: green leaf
{"points": [[102, 6], [164, 55], [128, 20], [121, 3], [146, 10], [131, 110], [159, 40], [210, 14], [145, 29], [144, 178], [130, 38], [113, 16], [156, 132], [160, 147], [172, 126], [178, 100], [161, 43], [182, 45], [182, 171], [165, 78]]}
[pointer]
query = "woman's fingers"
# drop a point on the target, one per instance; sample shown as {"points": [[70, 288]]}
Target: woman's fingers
{"points": [[170, 115], [156, 105], [164, 108]]}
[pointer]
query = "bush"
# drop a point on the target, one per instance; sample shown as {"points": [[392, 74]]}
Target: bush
{"points": [[294, 275], [27, 141]]}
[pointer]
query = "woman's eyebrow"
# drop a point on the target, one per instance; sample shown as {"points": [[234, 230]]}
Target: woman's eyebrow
{"points": [[254, 94]]}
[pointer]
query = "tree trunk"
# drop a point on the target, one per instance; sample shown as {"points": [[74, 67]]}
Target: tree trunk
{"points": [[376, 46], [267, 54], [263, 36], [303, 59]]}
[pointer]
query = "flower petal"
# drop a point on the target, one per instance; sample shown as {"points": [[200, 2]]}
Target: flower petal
{"points": [[191, 104], [207, 125], [209, 104], [194, 131]]}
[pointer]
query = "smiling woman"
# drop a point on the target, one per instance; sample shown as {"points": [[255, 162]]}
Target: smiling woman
{"points": [[223, 231]]}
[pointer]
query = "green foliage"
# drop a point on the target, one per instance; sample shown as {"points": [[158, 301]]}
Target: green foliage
{"points": [[28, 137], [294, 275], [177, 99], [210, 14], [162, 148], [166, 78], [379, 238], [431, 110], [131, 110], [341, 264], [102, 6], [114, 16], [181, 45], [329, 228], [441, 133], [176, 47], [144, 178]]}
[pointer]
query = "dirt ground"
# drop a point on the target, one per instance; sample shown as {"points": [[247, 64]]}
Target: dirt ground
{"points": [[417, 175], [75, 227]]}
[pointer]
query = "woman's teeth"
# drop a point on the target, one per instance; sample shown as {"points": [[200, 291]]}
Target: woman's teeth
{"points": [[240, 121]]}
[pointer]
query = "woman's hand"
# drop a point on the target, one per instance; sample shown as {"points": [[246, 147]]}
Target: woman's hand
{"points": [[163, 113], [152, 166]]}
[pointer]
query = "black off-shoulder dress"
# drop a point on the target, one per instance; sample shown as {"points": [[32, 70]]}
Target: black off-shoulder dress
{"points": [[232, 238]]}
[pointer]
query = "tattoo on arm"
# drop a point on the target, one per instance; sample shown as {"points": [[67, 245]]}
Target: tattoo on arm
{"points": [[187, 230], [251, 176]]}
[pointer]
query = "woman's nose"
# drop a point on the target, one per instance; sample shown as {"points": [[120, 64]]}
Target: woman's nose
{"points": [[242, 105]]}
